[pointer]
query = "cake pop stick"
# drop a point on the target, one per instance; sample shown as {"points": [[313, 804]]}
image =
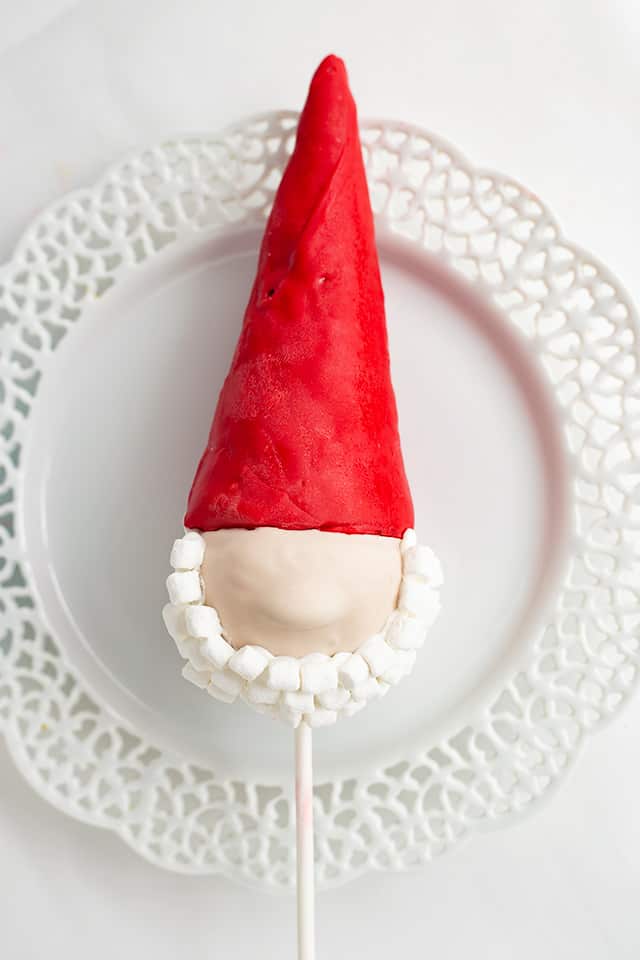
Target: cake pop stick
{"points": [[304, 843]]}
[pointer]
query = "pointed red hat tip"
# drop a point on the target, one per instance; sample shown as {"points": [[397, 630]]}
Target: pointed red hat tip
{"points": [[305, 434], [330, 64], [331, 71]]}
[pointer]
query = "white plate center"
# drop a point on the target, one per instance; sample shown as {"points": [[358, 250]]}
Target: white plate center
{"points": [[121, 420]]}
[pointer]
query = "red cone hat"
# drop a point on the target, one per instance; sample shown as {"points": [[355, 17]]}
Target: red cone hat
{"points": [[305, 434]]}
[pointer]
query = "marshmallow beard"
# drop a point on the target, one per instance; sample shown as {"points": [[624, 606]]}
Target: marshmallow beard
{"points": [[315, 687]]}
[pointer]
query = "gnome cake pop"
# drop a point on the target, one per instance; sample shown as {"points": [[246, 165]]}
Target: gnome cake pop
{"points": [[299, 585]]}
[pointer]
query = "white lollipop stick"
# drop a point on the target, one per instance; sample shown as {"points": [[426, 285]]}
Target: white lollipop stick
{"points": [[304, 843]]}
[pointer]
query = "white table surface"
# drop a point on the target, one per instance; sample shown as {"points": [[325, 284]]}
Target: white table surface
{"points": [[544, 91]]}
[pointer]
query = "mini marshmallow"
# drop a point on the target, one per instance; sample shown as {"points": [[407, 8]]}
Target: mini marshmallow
{"points": [[202, 621], [316, 657], [378, 654], [354, 706], [298, 700], [431, 608], [406, 660], [188, 552], [409, 540], [339, 658], [283, 673], [406, 633], [221, 695], [394, 674], [421, 561], [216, 650], [321, 717], [266, 708], [334, 699], [260, 693], [249, 661], [419, 600], [184, 586], [186, 646], [354, 671], [195, 657], [318, 673], [174, 621], [368, 690], [292, 717], [197, 677], [227, 682]]}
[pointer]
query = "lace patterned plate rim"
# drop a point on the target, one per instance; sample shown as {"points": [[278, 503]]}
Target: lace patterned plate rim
{"points": [[583, 663]]}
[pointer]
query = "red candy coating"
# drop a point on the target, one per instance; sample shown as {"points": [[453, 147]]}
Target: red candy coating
{"points": [[305, 434]]}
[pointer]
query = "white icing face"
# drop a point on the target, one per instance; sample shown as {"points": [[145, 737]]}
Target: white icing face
{"points": [[296, 592]]}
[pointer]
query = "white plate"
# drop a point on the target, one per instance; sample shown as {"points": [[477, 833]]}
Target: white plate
{"points": [[536, 641]]}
